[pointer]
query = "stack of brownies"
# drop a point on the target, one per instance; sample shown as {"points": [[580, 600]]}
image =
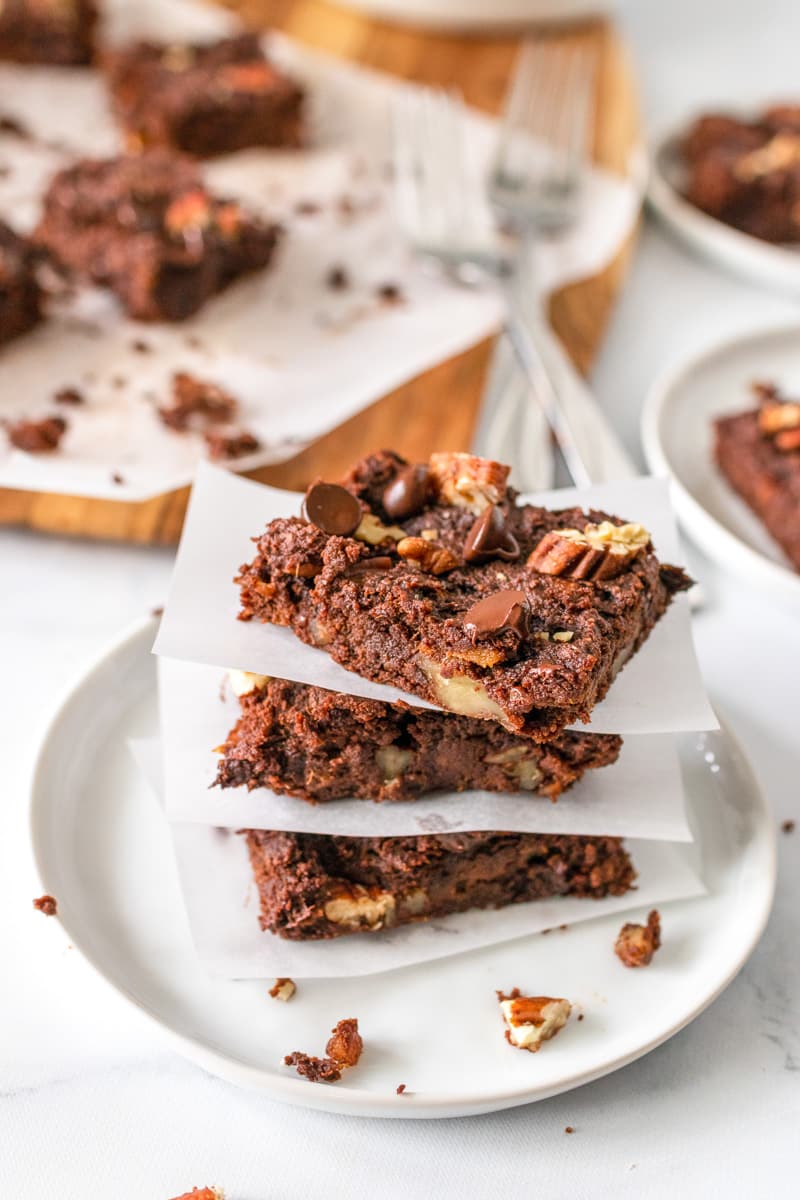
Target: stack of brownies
{"points": [[508, 622]]}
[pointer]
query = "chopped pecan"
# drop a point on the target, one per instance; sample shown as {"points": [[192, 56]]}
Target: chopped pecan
{"points": [[636, 944], [345, 1044], [426, 555], [596, 552], [283, 989], [47, 905], [374, 532], [532, 1020], [775, 416], [465, 481]]}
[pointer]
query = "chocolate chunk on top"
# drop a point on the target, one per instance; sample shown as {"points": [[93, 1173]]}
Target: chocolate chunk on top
{"points": [[409, 492], [489, 537], [332, 509], [497, 613]]}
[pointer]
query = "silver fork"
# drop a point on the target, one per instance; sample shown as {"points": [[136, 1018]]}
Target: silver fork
{"points": [[442, 204]]}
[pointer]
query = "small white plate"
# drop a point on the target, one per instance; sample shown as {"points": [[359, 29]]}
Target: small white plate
{"points": [[103, 850], [677, 435], [477, 15], [776, 267]]}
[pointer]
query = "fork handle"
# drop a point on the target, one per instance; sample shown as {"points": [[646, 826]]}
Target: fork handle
{"points": [[591, 449]]}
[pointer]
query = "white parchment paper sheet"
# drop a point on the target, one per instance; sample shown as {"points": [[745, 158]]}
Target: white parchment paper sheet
{"points": [[659, 691], [301, 357], [641, 795], [222, 906]]}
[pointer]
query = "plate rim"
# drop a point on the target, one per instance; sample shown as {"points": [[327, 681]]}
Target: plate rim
{"points": [[720, 543], [356, 1101]]}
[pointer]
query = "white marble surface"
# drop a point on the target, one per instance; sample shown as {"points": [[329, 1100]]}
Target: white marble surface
{"points": [[93, 1104]]}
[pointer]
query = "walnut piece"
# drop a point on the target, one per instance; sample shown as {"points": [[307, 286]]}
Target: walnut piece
{"points": [[372, 531], [283, 989], [359, 907], [392, 761], [426, 555], [532, 1020], [597, 552], [636, 944], [465, 481], [460, 694], [244, 682]]}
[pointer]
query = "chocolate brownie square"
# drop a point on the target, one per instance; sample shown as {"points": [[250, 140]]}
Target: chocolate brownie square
{"points": [[758, 452], [432, 578], [312, 886], [20, 296], [59, 32], [148, 228], [204, 99], [321, 745]]}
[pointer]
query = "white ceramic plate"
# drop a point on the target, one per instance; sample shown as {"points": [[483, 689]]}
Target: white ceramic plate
{"points": [[776, 267], [103, 850], [478, 14], [677, 436]]}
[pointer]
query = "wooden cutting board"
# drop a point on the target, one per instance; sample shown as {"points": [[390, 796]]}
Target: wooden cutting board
{"points": [[413, 419]]}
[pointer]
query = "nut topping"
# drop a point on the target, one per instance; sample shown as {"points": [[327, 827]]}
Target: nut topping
{"points": [[465, 481], [777, 415], [497, 613], [373, 531], [332, 509], [283, 989], [597, 552], [426, 556], [408, 493], [636, 944], [532, 1020], [489, 537]]}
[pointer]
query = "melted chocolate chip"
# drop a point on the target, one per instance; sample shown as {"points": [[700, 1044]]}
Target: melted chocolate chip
{"points": [[332, 509], [489, 537], [365, 565], [494, 614], [408, 493]]}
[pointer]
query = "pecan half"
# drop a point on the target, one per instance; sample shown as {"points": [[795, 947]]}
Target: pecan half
{"points": [[597, 552]]}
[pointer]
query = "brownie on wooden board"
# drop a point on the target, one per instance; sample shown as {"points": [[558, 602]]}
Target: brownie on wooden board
{"points": [[147, 227], [321, 745], [20, 296], [758, 452], [431, 578], [313, 886], [59, 32], [203, 99]]}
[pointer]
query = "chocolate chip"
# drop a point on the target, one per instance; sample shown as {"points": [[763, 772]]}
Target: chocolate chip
{"points": [[489, 537], [408, 493], [493, 614], [332, 509], [365, 565]]}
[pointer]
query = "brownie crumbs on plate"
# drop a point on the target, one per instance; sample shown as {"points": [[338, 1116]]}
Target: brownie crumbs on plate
{"points": [[204, 99], [117, 477], [70, 396], [320, 745], [222, 444], [140, 346], [400, 1090], [283, 989], [787, 827], [196, 403], [47, 905], [315, 886], [20, 293], [569, 1129], [343, 1050], [56, 32], [337, 279], [147, 227], [389, 293], [532, 1020], [758, 452], [636, 944], [36, 437], [432, 578]]}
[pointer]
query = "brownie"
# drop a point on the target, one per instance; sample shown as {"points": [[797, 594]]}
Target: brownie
{"points": [[433, 579], [60, 32], [147, 227], [747, 172], [758, 452], [322, 745], [20, 296], [204, 99], [313, 886]]}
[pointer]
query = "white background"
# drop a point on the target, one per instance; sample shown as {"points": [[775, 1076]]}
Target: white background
{"points": [[95, 1106]]}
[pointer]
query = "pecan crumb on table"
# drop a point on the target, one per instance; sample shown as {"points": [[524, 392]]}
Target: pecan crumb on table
{"points": [[47, 905], [636, 944]]}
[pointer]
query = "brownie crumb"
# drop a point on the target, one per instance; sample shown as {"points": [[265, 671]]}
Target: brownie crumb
{"points": [[196, 403], [389, 293], [400, 1089], [47, 905], [157, 612], [788, 827], [337, 279], [36, 437], [116, 477], [15, 128], [235, 443], [283, 989], [580, 1016], [141, 347], [118, 382], [307, 208], [569, 1129], [343, 1050], [636, 944], [70, 396]]}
